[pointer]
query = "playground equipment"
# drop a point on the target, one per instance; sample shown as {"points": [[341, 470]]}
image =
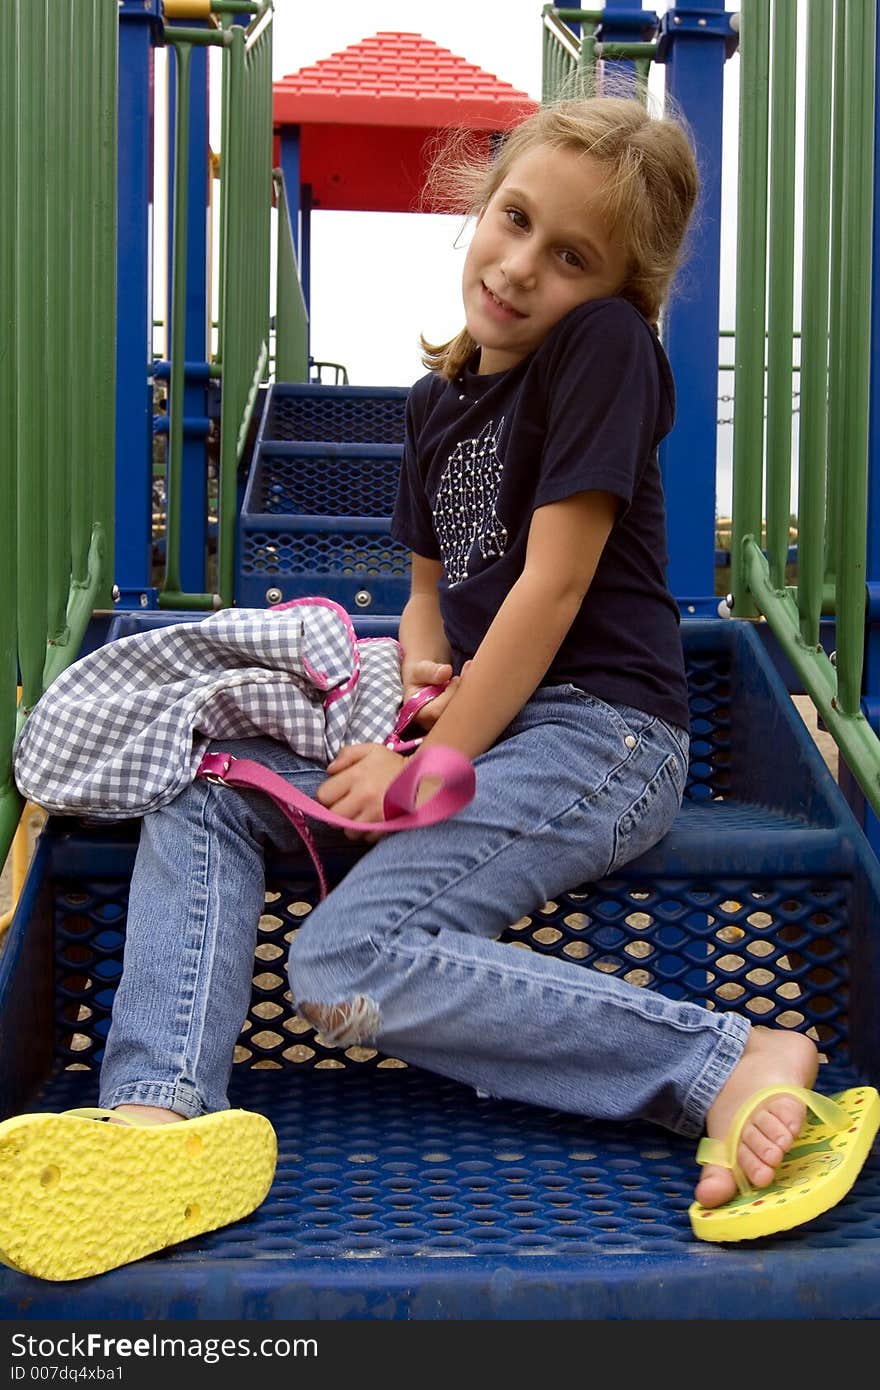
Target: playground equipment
{"points": [[400, 1195]]}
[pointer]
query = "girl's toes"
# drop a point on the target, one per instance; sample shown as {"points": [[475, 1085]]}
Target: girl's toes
{"points": [[716, 1186], [758, 1156]]}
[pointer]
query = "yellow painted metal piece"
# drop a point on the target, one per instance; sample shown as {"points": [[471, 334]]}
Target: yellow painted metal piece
{"points": [[20, 853], [187, 9], [20, 856]]}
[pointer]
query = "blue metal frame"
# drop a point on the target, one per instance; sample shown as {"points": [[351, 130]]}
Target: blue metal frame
{"points": [[510, 1211], [299, 212], [626, 23], [289, 143], [194, 524], [695, 41], [138, 26]]}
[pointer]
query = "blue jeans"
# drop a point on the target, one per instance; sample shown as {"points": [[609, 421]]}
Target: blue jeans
{"points": [[403, 952]]}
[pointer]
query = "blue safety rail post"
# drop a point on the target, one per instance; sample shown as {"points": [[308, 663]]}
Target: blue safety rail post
{"points": [[139, 31], [871, 673], [695, 41], [626, 23], [196, 422], [299, 206]]}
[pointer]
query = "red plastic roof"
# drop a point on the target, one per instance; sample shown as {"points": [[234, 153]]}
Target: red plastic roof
{"points": [[398, 80]]}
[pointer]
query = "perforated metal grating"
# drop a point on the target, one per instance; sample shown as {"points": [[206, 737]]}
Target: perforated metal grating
{"points": [[709, 691], [336, 414], [332, 553], [325, 485], [776, 951], [759, 901], [772, 946], [415, 1166]]}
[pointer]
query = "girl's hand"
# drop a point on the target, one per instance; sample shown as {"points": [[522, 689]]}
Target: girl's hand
{"points": [[423, 673], [358, 779]]}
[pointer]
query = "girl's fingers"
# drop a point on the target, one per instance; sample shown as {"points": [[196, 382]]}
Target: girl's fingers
{"points": [[423, 673], [434, 708], [348, 756], [329, 793]]}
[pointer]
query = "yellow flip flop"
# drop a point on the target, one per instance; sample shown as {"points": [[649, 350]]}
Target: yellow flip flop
{"points": [[78, 1197], [815, 1174]]}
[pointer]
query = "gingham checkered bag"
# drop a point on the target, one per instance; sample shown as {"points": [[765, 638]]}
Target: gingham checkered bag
{"points": [[122, 731]]}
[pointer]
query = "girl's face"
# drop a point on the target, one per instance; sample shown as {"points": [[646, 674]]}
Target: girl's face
{"points": [[539, 250]]}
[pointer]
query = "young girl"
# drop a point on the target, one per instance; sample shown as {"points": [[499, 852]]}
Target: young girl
{"points": [[531, 499]]}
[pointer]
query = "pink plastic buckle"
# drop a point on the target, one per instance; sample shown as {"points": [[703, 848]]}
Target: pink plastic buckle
{"points": [[215, 766]]}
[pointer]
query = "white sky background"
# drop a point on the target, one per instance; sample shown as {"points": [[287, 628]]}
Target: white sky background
{"points": [[380, 279]]}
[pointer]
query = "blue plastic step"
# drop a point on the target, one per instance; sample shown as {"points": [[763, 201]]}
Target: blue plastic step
{"points": [[402, 1195], [317, 507]]}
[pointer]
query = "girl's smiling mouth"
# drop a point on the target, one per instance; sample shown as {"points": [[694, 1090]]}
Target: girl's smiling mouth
{"points": [[497, 305]]}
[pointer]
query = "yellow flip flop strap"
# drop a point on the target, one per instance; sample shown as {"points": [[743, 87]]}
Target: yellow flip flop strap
{"points": [[722, 1152], [94, 1112]]}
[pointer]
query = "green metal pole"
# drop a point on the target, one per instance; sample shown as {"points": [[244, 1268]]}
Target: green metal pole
{"points": [[856, 306], [79, 272], [30, 284], [644, 52], [222, 235], [264, 188], [851, 730], [10, 802], [587, 61], [780, 286], [748, 430], [814, 321], [60, 349], [836, 382], [105, 289], [82, 537], [546, 41], [291, 317]]}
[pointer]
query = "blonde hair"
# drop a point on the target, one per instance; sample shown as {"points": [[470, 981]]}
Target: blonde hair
{"points": [[647, 198]]}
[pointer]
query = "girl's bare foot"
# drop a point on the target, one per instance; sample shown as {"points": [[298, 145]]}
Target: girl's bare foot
{"points": [[149, 1114], [771, 1055]]}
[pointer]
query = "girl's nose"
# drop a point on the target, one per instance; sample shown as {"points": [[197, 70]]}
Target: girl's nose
{"points": [[519, 269]]}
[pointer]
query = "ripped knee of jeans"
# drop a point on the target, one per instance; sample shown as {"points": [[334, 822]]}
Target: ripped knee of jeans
{"points": [[341, 1025]]}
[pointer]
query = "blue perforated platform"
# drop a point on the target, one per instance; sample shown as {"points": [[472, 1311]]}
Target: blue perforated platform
{"points": [[316, 513], [401, 1195]]}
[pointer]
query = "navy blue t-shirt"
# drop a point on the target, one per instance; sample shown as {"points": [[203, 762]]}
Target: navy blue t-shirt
{"points": [[585, 411]]}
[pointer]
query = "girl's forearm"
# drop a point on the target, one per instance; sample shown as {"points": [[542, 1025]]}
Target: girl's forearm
{"points": [[509, 664], [421, 631]]}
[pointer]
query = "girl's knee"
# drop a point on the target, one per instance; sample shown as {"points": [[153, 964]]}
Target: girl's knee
{"points": [[346, 1023], [329, 986]]}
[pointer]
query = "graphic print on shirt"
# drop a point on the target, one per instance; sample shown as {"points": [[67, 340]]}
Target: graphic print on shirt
{"points": [[464, 508]]}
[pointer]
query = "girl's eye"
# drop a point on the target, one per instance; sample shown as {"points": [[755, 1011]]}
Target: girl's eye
{"points": [[518, 218], [573, 259]]}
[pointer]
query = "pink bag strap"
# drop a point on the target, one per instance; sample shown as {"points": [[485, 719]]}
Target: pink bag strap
{"points": [[457, 787], [408, 712]]}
